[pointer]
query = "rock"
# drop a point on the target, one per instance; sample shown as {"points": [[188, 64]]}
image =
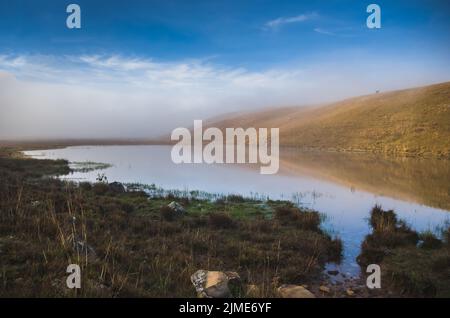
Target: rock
{"points": [[294, 291], [333, 273], [213, 284], [324, 289], [350, 292], [116, 187], [176, 207]]}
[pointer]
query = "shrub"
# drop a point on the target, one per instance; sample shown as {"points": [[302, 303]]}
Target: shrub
{"points": [[429, 241], [167, 213], [413, 284], [220, 220], [85, 186], [306, 220], [235, 198], [381, 220], [370, 254], [127, 207], [286, 214], [184, 201], [220, 201], [441, 264], [100, 188], [388, 233]]}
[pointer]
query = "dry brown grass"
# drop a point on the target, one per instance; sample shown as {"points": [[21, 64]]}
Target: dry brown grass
{"points": [[125, 247], [408, 268], [412, 122]]}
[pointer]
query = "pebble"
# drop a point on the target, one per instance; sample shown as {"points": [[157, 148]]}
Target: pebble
{"points": [[324, 289], [334, 273]]}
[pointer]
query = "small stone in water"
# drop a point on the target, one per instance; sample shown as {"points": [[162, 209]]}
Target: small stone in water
{"points": [[334, 272]]}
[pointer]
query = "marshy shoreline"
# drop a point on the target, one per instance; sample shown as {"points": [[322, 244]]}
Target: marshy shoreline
{"points": [[131, 245]]}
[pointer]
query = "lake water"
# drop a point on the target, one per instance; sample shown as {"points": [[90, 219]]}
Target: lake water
{"points": [[344, 187]]}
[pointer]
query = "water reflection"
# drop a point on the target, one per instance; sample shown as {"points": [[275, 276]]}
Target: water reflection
{"points": [[342, 186], [425, 181]]}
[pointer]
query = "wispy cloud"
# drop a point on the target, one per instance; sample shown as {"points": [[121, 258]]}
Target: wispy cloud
{"points": [[116, 62], [12, 61], [323, 31], [276, 23], [344, 31]]}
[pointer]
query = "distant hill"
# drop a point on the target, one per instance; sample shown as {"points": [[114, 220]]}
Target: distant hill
{"points": [[411, 122]]}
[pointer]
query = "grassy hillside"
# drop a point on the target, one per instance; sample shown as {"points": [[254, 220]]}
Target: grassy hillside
{"points": [[412, 122]]}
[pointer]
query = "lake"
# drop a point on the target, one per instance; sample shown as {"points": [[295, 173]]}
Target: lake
{"points": [[344, 187]]}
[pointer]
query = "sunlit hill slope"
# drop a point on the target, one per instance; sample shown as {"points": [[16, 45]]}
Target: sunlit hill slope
{"points": [[411, 122]]}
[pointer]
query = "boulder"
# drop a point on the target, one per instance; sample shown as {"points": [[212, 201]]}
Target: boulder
{"points": [[213, 284], [294, 291], [176, 207]]}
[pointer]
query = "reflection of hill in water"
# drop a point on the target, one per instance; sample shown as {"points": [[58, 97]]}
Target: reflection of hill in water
{"points": [[425, 181]]}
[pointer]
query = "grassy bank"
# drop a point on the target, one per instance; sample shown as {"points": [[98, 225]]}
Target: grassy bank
{"points": [[412, 264], [130, 244], [403, 123]]}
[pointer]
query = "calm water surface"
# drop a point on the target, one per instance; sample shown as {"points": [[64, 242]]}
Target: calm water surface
{"points": [[344, 187]]}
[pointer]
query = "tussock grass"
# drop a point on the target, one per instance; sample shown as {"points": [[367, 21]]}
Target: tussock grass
{"points": [[127, 246], [307, 220], [412, 264]]}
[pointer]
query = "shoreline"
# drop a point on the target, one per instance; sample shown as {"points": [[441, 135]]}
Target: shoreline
{"points": [[320, 284], [234, 225], [64, 143]]}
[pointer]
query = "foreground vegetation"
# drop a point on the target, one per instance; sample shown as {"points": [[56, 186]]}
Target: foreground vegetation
{"points": [[130, 244], [412, 264]]}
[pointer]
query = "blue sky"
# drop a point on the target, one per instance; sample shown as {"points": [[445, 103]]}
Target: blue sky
{"points": [[168, 62], [230, 32]]}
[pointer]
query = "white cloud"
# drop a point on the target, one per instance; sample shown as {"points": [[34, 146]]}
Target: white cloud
{"points": [[116, 62], [272, 24], [118, 96], [322, 31]]}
